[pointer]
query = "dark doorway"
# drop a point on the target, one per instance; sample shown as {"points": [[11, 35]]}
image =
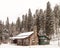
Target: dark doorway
{"points": [[15, 41]]}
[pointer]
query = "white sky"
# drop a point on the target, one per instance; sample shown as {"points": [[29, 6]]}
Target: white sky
{"points": [[15, 8]]}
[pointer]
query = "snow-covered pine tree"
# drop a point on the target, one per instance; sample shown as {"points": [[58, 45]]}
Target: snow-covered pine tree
{"points": [[56, 14], [30, 20], [18, 25], [49, 21]]}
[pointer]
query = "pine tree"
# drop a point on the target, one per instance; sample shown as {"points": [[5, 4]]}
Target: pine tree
{"points": [[37, 21], [30, 20], [26, 22], [1, 29], [23, 23], [56, 14], [49, 21], [7, 23], [59, 18], [18, 24], [12, 29], [41, 18]]}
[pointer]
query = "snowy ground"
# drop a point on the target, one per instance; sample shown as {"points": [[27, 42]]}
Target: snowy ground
{"points": [[36, 46], [53, 44]]}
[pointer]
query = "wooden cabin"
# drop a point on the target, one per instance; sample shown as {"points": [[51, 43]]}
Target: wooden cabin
{"points": [[25, 39]]}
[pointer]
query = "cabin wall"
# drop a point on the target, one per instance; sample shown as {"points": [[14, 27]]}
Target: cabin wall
{"points": [[34, 39], [35, 35], [23, 42]]}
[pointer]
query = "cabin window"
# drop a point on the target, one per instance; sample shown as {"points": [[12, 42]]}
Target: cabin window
{"points": [[27, 42], [15, 41], [33, 40], [45, 40]]}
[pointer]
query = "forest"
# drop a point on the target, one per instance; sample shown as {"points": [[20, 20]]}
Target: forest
{"points": [[47, 20]]}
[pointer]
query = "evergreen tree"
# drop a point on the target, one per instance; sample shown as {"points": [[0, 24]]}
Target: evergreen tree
{"points": [[37, 21], [49, 21], [18, 24], [56, 14], [30, 20], [7, 23], [26, 22], [59, 17], [23, 23], [1, 29], [41, 19], [12, 29]]}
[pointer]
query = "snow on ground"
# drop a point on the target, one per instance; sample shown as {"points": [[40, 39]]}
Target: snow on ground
{"points": [[33, 46], [53, 44]]}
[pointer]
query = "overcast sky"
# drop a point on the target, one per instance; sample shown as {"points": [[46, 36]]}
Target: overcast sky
{"points": [[15, 8]]}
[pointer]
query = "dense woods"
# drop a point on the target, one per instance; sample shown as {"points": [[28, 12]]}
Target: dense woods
{"points": [[47, 21]]}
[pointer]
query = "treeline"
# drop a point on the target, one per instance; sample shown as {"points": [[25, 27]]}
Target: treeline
{"points": [[46, 21]]}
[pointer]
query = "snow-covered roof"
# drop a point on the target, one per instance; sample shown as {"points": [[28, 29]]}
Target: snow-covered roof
{"points": [[22, 35]]}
